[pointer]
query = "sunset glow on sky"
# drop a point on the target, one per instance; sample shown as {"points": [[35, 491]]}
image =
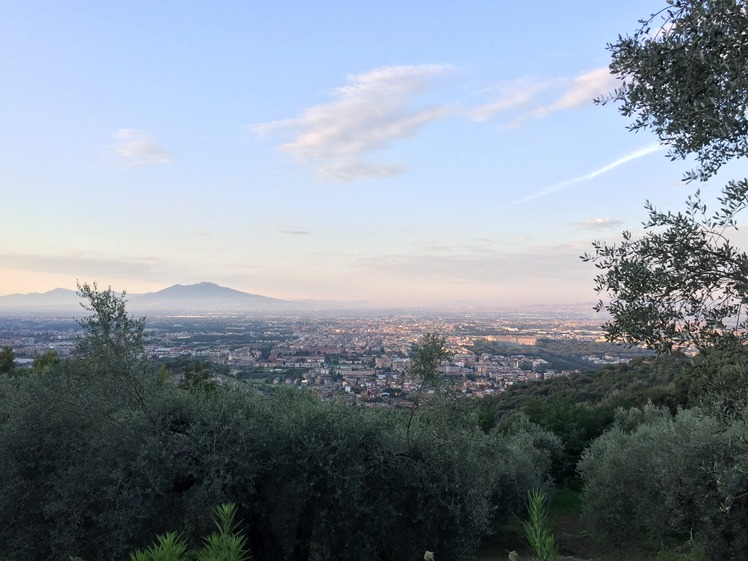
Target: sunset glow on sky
{"points": [[401, 154]]}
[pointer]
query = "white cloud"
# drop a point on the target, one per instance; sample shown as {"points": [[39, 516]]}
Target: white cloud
{"points": [[598, 223], [560, 95], [345, 172], [83, 265], [561, 185], [136, 148], [370, 114], [516, 93], [581, 91]]}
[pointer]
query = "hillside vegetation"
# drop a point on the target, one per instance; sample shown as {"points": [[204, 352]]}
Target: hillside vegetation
{"points": [[104, 451]]}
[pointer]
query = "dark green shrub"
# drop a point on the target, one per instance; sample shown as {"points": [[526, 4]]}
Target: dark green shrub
{"points": [[658, 478]]}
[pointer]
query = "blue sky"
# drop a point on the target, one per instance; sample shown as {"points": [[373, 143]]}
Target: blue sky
{"points": [[402, 154]]}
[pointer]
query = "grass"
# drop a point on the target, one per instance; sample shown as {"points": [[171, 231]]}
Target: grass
{"points": [[565, 502]]}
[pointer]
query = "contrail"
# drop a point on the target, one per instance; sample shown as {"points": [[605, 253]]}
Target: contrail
{"points": [[582, 178]]}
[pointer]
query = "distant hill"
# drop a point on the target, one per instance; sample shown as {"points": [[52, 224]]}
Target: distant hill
{"points": [[204, 297], [57, 300]]}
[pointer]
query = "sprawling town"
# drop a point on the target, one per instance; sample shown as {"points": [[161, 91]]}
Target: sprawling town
{"points": [[355, 357]]}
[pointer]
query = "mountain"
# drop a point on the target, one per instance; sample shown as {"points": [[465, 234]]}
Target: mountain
{"points": [[204, 297], [57, 300]]}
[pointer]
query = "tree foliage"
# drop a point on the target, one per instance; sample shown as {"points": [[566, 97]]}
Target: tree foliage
{"points": [[717, 379], [109, 332], [578, 408], [527, 454], [654, 476], [7, 359], [682, 283], [45, 360], [111, 346], [682, 75], [661, 479], [85, 473], [425, 358]]}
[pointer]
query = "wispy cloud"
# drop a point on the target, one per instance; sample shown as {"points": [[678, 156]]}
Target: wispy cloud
{"points": [[477, 266], [379, 108], [561, 185], [511, 95], [345, 172], [560, 94], [82, 265], [137, 148], [598, 224], [580, 91], [371, 113]]}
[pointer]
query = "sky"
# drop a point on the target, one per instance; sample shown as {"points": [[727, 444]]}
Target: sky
{"points": [[394, 153]]}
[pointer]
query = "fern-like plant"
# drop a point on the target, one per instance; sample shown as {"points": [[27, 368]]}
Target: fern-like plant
{"points": [[227, 544], [168, 547], [537, 528]]}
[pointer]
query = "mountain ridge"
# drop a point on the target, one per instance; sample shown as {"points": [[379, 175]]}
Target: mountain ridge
{"points": [[203, 296]]}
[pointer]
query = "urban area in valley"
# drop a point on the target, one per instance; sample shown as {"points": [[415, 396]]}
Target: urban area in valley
{"points": [[361, 357]]}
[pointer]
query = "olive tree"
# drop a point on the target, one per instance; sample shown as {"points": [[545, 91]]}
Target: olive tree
{"points": [[111, 345], [682, 74], [109, 331], [682, 283], [426, 355], [653, 478]]}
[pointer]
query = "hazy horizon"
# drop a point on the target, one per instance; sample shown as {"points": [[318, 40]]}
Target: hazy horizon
{"points": [[38, 299]]}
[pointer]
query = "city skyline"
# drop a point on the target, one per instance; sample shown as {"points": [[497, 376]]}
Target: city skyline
{"points": [[417, 155]]}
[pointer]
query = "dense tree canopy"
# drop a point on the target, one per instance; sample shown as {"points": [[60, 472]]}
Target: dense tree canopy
{"points": [[665, 480]]}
